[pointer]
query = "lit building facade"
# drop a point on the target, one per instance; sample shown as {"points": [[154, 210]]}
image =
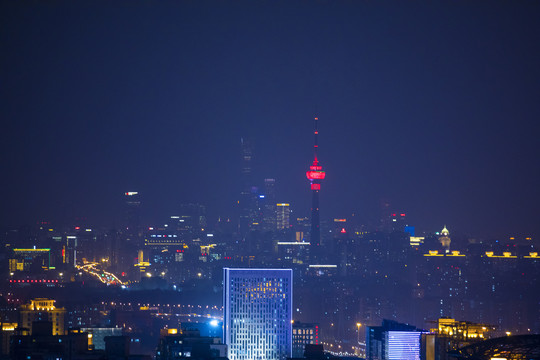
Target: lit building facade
{"points": [[257, 314], [402, 345], [282, 214], [42, 309], [304, 334]]}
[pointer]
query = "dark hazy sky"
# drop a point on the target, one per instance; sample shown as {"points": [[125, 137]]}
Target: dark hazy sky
{"points": [[431, 105]]}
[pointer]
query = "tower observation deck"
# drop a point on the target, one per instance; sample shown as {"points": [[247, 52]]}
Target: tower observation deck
{"points": [[315, 175]]}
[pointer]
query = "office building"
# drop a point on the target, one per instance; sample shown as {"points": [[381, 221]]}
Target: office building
{"points": [[401, 345], [282, 216], [257, 314], [392, 340]]}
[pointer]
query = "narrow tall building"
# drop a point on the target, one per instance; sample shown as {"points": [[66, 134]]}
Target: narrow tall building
{"points": [[246, 201], [282, 216], [257, 315], [315, 175]]}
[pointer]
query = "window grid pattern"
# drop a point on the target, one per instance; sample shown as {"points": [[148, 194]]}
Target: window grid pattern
{"points": [[258, 313]]}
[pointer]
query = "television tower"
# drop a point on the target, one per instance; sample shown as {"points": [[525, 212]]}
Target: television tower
{"points": [[315, 175]]}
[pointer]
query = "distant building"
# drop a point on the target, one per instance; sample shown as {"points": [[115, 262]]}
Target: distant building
{"points": [[269, 208], [210, 328], [451, 335], [133, 211], [42, 309], [392, 340], [43, 345], [96, 336], [257, 314], [282, 216], [30, 260], [303, 334], [182, 344], [444, 239]]}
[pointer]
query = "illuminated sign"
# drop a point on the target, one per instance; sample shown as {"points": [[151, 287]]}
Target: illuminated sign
{"points": [[312, 175], [131, 193]]}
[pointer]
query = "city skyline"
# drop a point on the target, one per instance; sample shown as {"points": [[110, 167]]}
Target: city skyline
{"points": [[438, 122], [171, 170]]}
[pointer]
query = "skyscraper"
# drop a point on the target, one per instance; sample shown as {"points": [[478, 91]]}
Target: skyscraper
{"points": [[282, 216], [133, 211], [315, 175], [247, 198], [257, 315], [269, 210]]}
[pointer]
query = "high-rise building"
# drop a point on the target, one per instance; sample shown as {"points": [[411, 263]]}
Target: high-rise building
{"points": [[282, 216], [257, 315], [315, 175], [269, 209], [133, 211], [246, 201]]}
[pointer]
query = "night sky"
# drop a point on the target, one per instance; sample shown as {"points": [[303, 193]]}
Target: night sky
{"points": [[433, 106]]}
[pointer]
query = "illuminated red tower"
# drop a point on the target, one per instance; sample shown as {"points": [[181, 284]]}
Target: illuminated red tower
{"points": [[315, 175]]}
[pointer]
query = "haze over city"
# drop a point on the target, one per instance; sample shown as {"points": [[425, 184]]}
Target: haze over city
{"points": [[430, 106], [256, 180]]}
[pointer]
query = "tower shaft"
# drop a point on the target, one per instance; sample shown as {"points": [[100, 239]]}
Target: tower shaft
{"points": [[315, 175], [315, 220]]}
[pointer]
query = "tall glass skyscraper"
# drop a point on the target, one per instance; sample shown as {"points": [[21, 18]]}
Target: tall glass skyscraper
{"points": [[257, 316]]}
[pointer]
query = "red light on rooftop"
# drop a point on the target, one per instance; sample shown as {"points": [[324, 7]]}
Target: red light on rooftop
{"points": [[402, 214], [77, 227], [343, 231], [393, 214]]}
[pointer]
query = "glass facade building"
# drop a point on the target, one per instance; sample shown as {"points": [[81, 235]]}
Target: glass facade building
{"points": [[257, 315], [402, 345]]}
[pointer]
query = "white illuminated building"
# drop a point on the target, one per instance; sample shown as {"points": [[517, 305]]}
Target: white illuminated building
{"points": [[402, 345], [257, 315]]}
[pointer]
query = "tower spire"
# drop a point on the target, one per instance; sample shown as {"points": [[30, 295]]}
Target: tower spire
{"points": [[315, 143]]}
